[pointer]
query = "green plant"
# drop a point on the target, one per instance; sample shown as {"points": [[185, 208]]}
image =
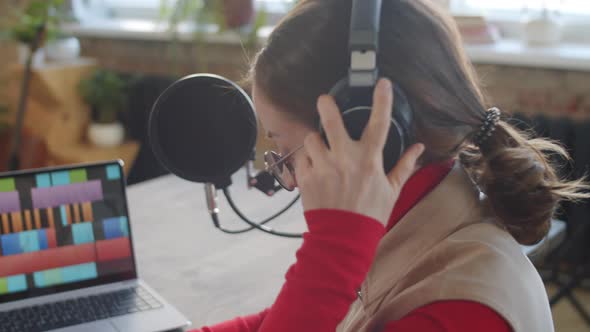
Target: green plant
{"points": [[201, 12], [105, 92], [44, 15], [206, 14]]}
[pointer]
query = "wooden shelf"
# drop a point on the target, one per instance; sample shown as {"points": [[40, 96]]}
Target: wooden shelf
{"points": [[87, 153], [57, 115]]}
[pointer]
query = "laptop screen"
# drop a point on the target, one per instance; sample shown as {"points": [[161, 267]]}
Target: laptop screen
{"points": [[63, 229]]}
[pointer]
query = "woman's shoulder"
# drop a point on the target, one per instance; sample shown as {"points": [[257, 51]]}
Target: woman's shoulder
{"points": [[479, 262]]}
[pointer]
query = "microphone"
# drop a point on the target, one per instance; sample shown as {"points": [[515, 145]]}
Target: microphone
{"points": [[203, 128]]}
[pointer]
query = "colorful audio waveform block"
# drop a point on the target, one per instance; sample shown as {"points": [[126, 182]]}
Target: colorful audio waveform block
{"points": [[65, 274], [82, 233], [13, 284], [28, 241], [61, 178], [78, 175], [5, 224], [87, 214], [115, 227], [18, 243], [76, 215], [43, 180], [113, 172], [67, 194], [63, 210], [109, 250], [9, 202], [17, 222], [102, 250], [7, 184], [47, 238], [27, 220]]}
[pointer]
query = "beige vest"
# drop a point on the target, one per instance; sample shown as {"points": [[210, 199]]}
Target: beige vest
{"points": [[445, 248]]}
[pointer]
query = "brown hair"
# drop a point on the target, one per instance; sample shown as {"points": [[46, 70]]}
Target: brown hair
{"points": [[420, 51]]}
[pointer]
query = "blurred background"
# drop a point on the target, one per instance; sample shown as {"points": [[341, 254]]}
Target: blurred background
{"points": [[78, 79]]}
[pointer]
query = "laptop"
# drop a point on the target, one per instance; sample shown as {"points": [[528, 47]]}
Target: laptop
{"points": [[66, 255]]}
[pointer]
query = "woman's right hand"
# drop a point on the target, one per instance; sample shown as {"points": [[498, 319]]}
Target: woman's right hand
{"points": [[349, 175]]}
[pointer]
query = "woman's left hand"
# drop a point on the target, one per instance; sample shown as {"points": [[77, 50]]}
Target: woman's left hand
{"points": [[349, 175]]}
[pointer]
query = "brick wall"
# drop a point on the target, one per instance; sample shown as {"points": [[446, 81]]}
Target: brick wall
{"points": [[165, 58], [528, 90], [535, 90]]}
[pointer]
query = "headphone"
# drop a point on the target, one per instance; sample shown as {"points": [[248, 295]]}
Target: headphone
{"points": [[354, 93]]}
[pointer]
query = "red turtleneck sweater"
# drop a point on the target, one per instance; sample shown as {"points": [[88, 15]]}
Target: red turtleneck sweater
{"points": [[332, 262]]}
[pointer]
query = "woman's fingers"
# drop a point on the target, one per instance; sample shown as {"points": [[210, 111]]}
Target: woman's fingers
{"points": [[316, 149], [405, 167], [302, 167], [375, 134], [332, 123]]}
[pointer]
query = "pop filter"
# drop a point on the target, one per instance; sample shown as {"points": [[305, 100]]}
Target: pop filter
{"points": [[203, 128]]}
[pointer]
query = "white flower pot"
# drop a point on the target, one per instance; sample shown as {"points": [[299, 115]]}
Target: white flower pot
{"points": [[543, 30], [106, 135], [65, 49]]}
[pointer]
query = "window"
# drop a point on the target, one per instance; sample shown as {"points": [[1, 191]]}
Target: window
{"points": [[145, 9], [516, 7], [508, 15]]}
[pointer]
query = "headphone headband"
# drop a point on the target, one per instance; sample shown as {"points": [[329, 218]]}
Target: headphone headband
{"points": [[364, 42]]}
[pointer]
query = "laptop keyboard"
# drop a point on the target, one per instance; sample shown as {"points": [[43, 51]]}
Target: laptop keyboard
{"points": [[77, 311]]}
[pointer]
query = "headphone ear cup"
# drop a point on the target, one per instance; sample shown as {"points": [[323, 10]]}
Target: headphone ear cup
{"points": [[355, 106], [403, 115]]}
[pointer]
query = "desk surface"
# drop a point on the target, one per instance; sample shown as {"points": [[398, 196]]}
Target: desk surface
{"points": [[208, 275]]}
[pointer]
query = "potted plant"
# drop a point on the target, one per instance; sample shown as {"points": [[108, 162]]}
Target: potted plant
{"points": [[34, 25], [104, 92], [212, 16], [543, 27], [226, 14]]}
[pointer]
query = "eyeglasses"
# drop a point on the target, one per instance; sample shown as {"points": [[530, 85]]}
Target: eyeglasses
{"points": [[280, 167]]}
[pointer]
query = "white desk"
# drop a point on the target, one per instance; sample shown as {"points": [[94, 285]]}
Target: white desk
{"points": [[208, 275]]}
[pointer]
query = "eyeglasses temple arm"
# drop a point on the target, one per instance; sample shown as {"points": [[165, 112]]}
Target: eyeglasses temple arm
{"points": [[285, 157]]}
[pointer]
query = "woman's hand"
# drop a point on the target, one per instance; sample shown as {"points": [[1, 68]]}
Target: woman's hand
{"points": [[349, 175]]}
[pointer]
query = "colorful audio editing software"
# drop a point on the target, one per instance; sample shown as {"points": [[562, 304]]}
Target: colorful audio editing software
{"points": [[62, 227]]}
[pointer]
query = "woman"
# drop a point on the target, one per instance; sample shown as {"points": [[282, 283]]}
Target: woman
{"points": [[438, 253]]}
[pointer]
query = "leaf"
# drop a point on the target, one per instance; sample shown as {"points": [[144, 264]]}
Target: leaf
{"points": [[104, 91], [259, 22], [37, 14]]}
